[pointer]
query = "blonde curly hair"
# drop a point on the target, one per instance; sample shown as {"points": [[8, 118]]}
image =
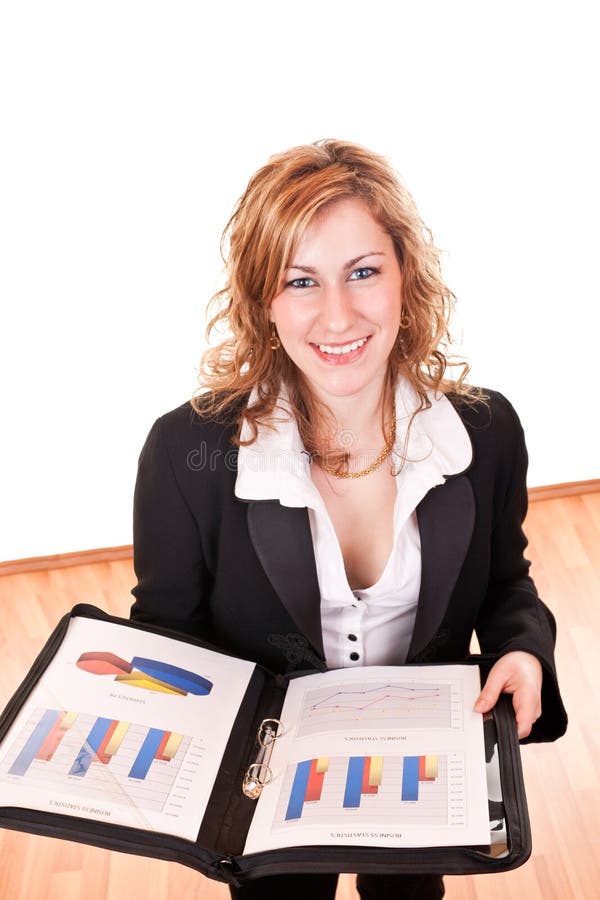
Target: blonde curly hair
{"points": [[280, 202]]}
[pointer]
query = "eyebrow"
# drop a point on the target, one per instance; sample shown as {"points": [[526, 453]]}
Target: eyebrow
{"points": [[348, 265]]}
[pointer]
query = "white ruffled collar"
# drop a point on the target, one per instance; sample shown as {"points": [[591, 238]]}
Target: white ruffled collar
{"points": [[277, 467]]}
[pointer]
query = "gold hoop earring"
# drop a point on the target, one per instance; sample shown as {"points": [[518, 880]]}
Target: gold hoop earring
{"points": [[274, 341], [404, 322]]}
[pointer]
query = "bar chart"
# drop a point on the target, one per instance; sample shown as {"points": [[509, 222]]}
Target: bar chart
{"points": [[97, 757], [383, 790], [386, 705]]}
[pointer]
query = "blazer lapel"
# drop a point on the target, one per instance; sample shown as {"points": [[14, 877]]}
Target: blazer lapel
{"points": [[446, 517], [283, 543]]}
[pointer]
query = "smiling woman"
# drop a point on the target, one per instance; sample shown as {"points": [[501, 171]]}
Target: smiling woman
{"points": [[285, 214], [340, 325], [373, 513]]}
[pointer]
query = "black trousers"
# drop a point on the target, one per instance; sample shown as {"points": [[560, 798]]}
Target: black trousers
{"points": [[323, 887]]}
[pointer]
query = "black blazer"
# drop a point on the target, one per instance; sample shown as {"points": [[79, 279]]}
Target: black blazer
{"points": [[242, 574]]}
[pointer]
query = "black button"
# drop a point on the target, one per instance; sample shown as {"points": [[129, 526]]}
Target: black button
{"points": [[352, 637], [354, 656]]}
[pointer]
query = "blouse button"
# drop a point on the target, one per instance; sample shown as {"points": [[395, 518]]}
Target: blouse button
{"points": [[354, 656], [352, 637]]}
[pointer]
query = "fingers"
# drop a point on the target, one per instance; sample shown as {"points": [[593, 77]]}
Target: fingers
{"points": [[491, 690], [519, 674], [527, 707]]}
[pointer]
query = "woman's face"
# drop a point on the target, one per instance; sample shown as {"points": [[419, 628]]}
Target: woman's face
{"points": [[338, 312]]}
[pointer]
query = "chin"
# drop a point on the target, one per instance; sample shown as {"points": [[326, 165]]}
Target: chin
{"points": [[339, 387]]}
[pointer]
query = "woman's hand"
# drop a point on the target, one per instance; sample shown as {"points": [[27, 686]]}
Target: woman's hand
{"points": [[520, 674]]}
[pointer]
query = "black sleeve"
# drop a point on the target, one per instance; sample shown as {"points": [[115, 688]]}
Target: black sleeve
{"points": [[513, 617], [171, 575]]}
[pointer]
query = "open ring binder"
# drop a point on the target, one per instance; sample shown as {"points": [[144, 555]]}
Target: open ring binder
{"points": [[54, 755]]}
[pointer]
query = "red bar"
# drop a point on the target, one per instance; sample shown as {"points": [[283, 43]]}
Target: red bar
{"points": [[366, 787], [161, 747], [101, 752], [422, 775], [53, 739], [315, 782]]}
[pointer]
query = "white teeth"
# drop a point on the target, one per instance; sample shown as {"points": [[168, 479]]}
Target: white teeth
{"points": [[346, 348]]}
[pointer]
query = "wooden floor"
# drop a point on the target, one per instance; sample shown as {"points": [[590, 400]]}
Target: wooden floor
{"points": [[563, 779]]}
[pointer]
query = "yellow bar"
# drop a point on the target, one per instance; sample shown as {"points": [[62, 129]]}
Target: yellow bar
{"points": [[431, 767], [322, 764], [140, 679], [172, 746], [115, 739], [68, 719], [375, 771]]}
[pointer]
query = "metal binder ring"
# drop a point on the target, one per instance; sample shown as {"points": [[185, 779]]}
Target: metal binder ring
{"points": [[257, 776], [267, 729]]}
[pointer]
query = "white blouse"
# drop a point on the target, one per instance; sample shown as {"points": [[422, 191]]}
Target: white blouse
{"points": [[371, 626]]}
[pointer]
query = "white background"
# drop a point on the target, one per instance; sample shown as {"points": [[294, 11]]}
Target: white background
{"points": [[130, 128]]}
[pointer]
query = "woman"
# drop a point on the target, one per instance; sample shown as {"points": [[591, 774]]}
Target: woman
{"points": [[335, 499]]}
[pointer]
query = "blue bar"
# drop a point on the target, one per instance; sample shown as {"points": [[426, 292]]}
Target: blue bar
{"points": [[88, 752], [354, 780], [34, 742], [410, 778], [147, 753], [179, 678], [298, 792]]}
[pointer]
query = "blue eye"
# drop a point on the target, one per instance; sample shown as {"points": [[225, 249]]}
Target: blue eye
{"points": [[300, 283], [363, 273]]}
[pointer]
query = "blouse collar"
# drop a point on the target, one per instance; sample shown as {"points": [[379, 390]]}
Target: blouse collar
{"points": [[277, 467]]}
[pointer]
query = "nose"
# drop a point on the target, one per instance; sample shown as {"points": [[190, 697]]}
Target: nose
{"points": [[337, 311]]}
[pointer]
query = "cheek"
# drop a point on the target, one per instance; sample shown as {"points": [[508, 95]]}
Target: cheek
{"points": [[386, 310], [292, 319]]}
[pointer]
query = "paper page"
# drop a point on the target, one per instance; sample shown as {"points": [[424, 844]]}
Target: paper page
{"points": [[378, 756], [126, 727]]}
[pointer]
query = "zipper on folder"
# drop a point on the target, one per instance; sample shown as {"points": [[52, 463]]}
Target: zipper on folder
{"points": [[226, 869], [518, 833]]}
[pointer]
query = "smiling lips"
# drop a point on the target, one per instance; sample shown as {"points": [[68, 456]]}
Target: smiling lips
{"points": [[340, 353]]}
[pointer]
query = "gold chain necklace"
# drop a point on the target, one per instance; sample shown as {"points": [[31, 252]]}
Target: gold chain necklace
{"points": [[389, 446]]}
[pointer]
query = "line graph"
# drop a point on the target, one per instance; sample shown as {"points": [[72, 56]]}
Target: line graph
{"points": [[401, 705]]}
